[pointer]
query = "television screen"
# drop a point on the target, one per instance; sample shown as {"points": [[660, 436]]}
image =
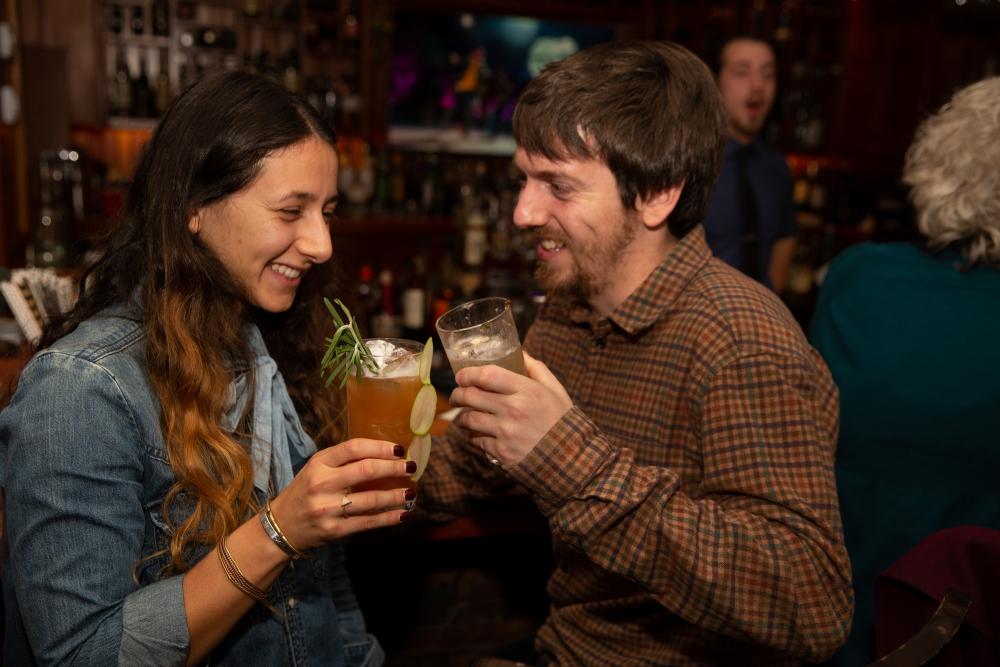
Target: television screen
{"points": [[455, 78]]}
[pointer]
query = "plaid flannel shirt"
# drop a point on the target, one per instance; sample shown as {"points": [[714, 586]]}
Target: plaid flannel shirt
{"points": [[690, 490]]}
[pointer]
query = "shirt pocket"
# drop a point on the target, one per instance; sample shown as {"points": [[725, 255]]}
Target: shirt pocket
{"points": [[159, 532]]}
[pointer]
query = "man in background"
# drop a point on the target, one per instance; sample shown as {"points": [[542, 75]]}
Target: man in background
{"points": [[751, 219]]}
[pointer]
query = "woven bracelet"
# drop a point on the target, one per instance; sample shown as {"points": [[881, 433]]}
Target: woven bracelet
{"points": [[236, 576]]}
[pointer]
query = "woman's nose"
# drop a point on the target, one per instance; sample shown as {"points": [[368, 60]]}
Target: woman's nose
{"points": [[314, 239]]}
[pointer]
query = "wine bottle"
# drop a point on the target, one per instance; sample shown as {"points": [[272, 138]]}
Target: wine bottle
{"points": [[141, 93]]}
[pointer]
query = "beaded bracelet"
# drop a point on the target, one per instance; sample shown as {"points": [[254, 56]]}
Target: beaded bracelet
{"points": [[236, 576], [270, 525]]}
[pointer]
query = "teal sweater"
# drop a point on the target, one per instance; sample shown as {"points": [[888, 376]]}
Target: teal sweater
{"points": [[914, 346]]}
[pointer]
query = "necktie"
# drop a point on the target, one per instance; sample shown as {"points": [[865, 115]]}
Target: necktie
{"points": [[748, 205]]}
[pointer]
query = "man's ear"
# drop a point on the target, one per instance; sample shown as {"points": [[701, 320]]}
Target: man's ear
{"points": [[658, 206]]}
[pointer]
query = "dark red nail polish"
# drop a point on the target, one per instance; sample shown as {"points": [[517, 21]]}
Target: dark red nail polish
{"points": [[411, 467], [410, 494], [398, 451], [404, 516]]}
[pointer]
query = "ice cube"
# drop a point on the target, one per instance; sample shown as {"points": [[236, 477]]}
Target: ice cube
{"points": [[392, 361]]}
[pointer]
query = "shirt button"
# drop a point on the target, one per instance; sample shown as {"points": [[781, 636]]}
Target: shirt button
{"points": [[291, 603], [599, 343]]}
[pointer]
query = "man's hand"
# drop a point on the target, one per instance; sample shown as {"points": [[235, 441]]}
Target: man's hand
{"points": [[507, 414]]}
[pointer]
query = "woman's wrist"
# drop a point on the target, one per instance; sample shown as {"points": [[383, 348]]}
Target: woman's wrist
{"points": [[255, 552], [273, 530]]}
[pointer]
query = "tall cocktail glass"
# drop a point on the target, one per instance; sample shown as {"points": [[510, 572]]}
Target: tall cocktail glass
{"points": [[379, 404], [481, 332]]}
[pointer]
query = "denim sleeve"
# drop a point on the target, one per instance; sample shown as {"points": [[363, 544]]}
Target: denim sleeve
{"points": [[73, 478]]}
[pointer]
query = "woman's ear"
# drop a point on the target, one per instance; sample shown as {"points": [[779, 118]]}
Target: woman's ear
{"points": [[194, 222]]}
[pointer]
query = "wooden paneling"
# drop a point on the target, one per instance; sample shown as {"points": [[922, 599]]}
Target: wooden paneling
{"points": [[13, 157], [70, 25], [900, 64]]}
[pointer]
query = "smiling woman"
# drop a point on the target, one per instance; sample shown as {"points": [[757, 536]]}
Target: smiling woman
{"points": [[268, 237], [161, 474]]}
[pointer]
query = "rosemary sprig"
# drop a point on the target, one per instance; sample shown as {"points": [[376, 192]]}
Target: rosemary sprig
{"points": [[346, 351]]}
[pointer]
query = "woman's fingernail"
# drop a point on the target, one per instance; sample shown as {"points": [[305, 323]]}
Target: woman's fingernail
{"points": [[410, 494], [404, 516], [411, 467], [398, 451]]}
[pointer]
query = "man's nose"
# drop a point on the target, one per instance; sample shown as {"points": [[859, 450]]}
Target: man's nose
{"points": [[529, 211]]}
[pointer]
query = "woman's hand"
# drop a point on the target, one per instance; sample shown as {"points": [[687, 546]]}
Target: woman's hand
{"points": [[318, 506]]}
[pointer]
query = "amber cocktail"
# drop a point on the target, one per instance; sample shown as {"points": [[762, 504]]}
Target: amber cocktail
{"points": [[379, 404]]}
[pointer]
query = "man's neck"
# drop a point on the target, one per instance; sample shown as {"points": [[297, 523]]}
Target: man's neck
{"points": [[644, 254], [741, 138]]}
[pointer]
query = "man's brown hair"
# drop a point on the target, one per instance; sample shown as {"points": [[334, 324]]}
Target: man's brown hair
{"points": [[649, 110]]}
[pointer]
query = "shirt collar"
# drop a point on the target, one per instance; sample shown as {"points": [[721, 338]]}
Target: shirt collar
{"points": [[732, 146], [654, 298]]}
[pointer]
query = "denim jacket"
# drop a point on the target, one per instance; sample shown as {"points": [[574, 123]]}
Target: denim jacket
{"points": [[85, 470]]}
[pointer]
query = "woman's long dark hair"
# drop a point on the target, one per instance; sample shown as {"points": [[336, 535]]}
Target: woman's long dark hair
{"points": [[210, 144]]}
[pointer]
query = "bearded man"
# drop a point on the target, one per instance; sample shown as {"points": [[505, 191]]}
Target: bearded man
{"points": [[679, 435]]}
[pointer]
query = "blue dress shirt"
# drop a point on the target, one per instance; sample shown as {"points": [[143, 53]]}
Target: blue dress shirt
{"points": [[771, 182]]}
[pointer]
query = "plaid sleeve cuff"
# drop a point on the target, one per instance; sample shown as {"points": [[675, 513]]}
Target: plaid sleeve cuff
{"points": [[564, 461]]}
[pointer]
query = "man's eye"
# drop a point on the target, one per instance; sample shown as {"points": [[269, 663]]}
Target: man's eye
{"points": [[559, 190], [329, 216], [292, 212]]}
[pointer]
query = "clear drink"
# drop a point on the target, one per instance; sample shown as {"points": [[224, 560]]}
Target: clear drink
{"points": [[481, 332], [379, 404], [481, 351]]}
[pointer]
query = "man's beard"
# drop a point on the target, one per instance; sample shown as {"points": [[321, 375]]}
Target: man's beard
{"points": [[592, 267]]}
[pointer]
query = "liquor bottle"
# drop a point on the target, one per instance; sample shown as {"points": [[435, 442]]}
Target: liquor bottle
{"points": [[138, 22], [163, 94], [116, 22], [161, 18], [398, 184], [206, 37], [47, 243], [141, 93], [382, 201], [368, 299], [476, 238], [500, 263], [186, 10], [251, 8], [386, 323], [290, 71], [123, 85], [415, 302], [429, 186]]}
